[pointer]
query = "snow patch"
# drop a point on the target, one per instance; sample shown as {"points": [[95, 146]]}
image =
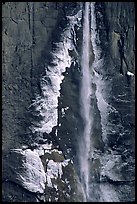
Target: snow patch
{"points": [[63, 111], [54, 170], [56, 132], [108, 194], [56, 150], [42, 149], [65, 162], [46, 146], [130, 73], [69, 187], [112, 167], [66, 181], [66, 108], [30, 174], [56, 187], [56, 199]]}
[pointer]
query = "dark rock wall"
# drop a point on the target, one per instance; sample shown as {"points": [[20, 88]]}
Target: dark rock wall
{"points": [[26, 30], [121, 26], [120, 18]]}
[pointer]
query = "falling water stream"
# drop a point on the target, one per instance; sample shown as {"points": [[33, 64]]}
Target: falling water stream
{"points": [[86, 147], [85, 106]]}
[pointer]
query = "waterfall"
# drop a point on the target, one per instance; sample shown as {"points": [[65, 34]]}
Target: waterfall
{"points": [[84, 147]]}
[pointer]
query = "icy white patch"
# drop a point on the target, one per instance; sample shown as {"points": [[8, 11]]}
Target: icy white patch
{"points": [[76, 18], [63, 111], [59, 124], [67, 195], [31, 174], [53, 150], [24, 147], [65, 162], [42, 149], [47, 104], [108, 194], [47, 151], [56, 199], [130, 73], [56, 150], [46, 146], [66, 181], [54, 170], [56, 132], [56, 187], [71, 162], [112, 165], [39, 151], [69, 187]]}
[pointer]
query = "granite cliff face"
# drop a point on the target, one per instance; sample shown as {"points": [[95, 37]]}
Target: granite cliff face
{"points": [[27, 29], [41, 78]]}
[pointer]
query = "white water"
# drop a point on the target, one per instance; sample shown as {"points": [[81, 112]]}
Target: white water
{"points": [[85, 106], [86, 147]]}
